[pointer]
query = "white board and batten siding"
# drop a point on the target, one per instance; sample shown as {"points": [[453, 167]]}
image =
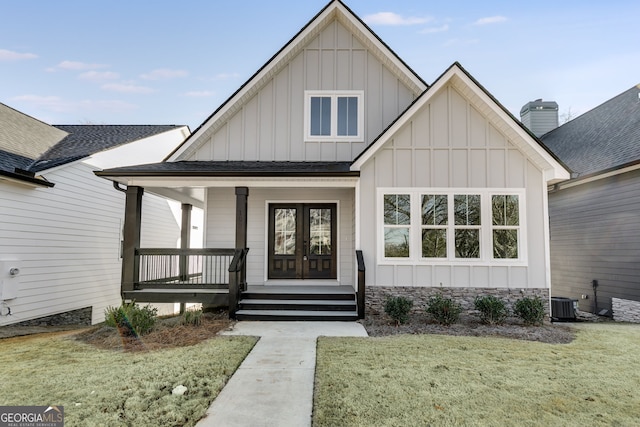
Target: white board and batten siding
{"points": [[270, 125], [221, 214], [450, 144], [66, 242]]}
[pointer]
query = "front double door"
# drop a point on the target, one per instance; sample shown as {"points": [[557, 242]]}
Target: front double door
{"points": [[302, 241]]}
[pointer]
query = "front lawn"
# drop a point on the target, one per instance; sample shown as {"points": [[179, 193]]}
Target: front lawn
{"points": [[108, 388], [421, 380]]}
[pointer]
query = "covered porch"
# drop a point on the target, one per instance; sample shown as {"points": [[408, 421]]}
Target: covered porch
{"points": [[218, 275]]}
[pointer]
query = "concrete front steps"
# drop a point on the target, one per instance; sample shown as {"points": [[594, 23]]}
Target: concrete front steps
{"points": [[300, 302]]}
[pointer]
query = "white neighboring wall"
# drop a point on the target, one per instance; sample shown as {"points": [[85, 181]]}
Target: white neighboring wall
{"points": [[66, 240]]}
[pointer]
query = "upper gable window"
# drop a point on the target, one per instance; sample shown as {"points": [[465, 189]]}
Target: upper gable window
{"points": [[334, 115]]}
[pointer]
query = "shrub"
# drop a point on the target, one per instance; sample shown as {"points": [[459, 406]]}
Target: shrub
{"points": [[131, 319], [192, 317], [398, 309], [444, 310], [530, 310], [492, 310]]}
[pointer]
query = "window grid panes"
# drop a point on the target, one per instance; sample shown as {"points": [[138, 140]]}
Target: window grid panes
{"points": [[434, 225], [397, 220], [467, 213], [320, 116], [334, 115], [452, 226], [505, 219], [347, 116]]}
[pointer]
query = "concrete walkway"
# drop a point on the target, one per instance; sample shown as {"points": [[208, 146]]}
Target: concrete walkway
{"points": [[274, 384]]}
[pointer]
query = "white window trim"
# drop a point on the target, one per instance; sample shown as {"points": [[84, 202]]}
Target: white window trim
{"points": [[486, 228], [334, 95]]}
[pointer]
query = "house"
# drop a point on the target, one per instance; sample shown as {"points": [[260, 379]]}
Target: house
{"points": [[336, 173], [595, 251], [60, 225]]}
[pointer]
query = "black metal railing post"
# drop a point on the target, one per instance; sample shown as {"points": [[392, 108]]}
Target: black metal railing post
{"points": [[237, 282], [361, 283]]}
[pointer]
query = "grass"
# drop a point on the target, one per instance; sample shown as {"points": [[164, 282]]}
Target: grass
{"points": [[422, 380], [107, 388]]}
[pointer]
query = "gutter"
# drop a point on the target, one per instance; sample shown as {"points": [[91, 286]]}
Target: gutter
{"points": [[25, 177]]}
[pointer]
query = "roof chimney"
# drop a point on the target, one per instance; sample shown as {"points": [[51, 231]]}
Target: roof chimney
{"points": [[540, 116]]}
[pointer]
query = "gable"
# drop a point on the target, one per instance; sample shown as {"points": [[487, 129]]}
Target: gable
{"points": [[449, 143], [264, 120], [469, 139]]}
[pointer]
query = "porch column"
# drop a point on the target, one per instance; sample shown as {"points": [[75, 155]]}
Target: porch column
{"points": [[242, 194], [185, 243], [131, 236], [185, 231]]}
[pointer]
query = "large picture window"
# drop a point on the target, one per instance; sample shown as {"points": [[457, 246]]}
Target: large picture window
{"points": [[334, 115], [453, 225]]}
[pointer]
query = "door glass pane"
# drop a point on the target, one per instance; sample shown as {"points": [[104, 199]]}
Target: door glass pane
{"points": [[348, 116], [320, 120], [320, 231], [284, 231]]}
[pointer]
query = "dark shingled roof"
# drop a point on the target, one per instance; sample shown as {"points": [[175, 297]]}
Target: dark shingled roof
{"points": [[234, 168], [9, 161], [85, 140], [605, 138]]}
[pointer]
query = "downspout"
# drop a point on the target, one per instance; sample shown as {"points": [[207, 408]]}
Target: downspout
{"points": [[116, 185]]}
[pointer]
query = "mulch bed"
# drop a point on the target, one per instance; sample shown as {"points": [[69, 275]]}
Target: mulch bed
{"points": [[170, 332], [379, 324], [167, 333]]}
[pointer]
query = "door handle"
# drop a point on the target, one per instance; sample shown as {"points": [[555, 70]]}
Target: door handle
{"points": [[304, 251]]}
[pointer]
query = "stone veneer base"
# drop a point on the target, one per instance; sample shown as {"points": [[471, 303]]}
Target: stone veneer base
{"points": [[377, 295], [75, 317], [625, 310]]}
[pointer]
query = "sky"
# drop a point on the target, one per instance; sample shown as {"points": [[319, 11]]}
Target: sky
{"points": [[175, 62]]}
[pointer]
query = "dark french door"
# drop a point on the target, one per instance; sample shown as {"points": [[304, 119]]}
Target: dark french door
{"points": [[302, 241]]}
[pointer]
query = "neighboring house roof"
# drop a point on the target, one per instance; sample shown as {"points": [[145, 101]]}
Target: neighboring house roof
{"points": [[335, 9], [25, 136], [233, 169], [10, 161], [522, 137], [85, 140], [603, 139]]}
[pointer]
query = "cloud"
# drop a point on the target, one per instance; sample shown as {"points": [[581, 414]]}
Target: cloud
{"points": [[490, 20], [127, 88], [461, 42], [200, 94], [226, 76], [390, 18], [164, 74], [98, 76], [9, 55], [59, 105], [432, 30], [77, 66]]}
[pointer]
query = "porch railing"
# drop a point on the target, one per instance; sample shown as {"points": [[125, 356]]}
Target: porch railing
{"points": [[361, 283], [175, 268], [237, 280]]}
